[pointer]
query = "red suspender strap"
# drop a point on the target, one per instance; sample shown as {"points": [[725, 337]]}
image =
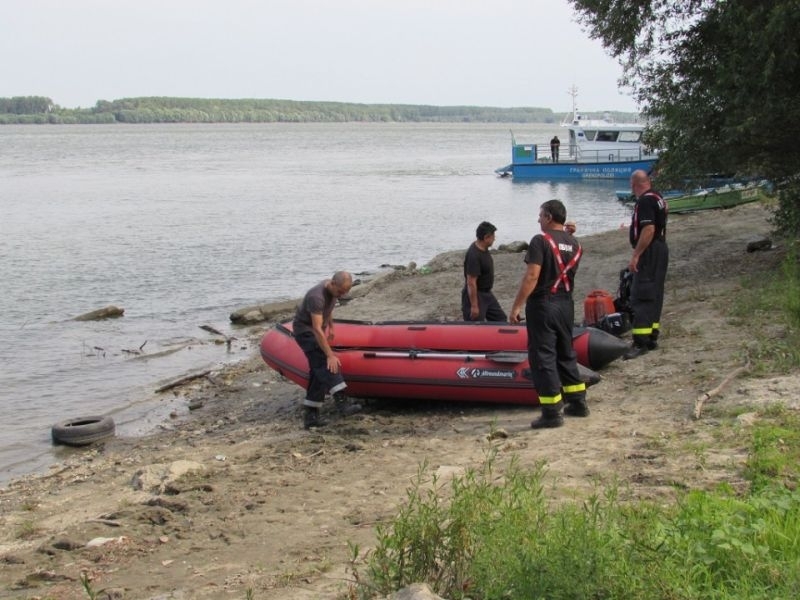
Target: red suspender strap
{"points": [[562, 270]]}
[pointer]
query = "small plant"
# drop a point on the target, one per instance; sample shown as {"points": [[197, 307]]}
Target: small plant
{"points": [[87, 585], [26, 530]]}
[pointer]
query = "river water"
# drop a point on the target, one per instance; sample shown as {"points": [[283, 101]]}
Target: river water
{"points": [[182, 224]]}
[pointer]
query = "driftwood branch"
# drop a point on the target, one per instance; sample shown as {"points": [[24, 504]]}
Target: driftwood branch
{"points": [[216, 331], [181, 381], [211, 329], [698, 404]]}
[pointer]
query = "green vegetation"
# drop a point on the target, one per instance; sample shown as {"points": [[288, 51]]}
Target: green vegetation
{"points": [[486, 536], [768, 306], [720, 81], [39, 110], [479, 539]]}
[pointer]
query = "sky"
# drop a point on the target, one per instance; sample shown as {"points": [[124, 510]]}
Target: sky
{"points": [[441, 52]]}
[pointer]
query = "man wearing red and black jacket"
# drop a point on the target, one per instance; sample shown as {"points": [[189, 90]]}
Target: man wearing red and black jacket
{"points": [[649, 261], [546, 291]]}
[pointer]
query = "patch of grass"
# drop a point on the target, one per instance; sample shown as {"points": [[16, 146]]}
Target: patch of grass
{"points": [[29, 505], [482, 536], [775, 450], [26, 530], [768, 311]]}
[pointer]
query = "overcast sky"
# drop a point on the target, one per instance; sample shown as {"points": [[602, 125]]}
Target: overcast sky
{"points": [[441, 52]]}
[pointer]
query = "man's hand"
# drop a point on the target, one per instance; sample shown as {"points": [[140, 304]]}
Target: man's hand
{"points": [[474, 311], [334, 364]]}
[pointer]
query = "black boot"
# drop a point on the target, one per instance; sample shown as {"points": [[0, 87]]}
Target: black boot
{"points": [[551, 417], [636, 351], [576, 407], [311, 418], [652, 343], [344, 405]]}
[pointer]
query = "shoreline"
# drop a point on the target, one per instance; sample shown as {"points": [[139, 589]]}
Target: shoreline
{"points": [[235, 496]]}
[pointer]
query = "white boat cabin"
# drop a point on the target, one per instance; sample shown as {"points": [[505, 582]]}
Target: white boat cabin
{"points": [[603, 140]]}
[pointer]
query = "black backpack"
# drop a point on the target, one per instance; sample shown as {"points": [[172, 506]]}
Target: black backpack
{"points": [[622, 303]]}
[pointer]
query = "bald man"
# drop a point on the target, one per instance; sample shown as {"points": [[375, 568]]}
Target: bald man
{"points": [[648, 263], [313, 332]]}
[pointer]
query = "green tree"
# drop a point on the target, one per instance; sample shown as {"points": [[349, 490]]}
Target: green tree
{"points": [[720, 82]]}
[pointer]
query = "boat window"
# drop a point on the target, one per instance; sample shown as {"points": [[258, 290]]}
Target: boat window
{"points": [[607, 136], [589, 133], [630, 136]]}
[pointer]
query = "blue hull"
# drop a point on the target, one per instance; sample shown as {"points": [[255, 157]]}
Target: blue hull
{"points": [[567, 170]]}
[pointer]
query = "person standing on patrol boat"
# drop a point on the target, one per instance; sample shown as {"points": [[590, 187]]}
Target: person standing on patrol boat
{"points": [[649, 262], [555, 144], [546, 291]]}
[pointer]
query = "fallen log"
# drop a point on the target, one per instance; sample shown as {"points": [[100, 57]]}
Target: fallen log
{"points": [[109, 312], [181, 381], [263, 312]]}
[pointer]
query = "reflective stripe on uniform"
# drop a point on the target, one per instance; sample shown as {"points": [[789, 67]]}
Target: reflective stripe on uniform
{"points": [[312, 403], [656, 326], [642, 330], [550, 399], [574, 389]]}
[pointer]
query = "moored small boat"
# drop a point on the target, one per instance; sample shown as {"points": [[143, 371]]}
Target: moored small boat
{"points": [[722, 197], [481, 362]]}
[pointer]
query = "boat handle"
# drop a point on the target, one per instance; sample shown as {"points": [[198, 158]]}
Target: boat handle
{"points": [[502, 330], [417, 327]]}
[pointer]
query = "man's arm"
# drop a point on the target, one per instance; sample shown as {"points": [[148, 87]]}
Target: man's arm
{"points": [[526, 286], [317, 325], [645, 238], [472, 292]]}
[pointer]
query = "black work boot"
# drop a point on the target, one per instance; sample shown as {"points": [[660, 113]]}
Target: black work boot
{"points": [[311, 418], [635, 351], [576, 407], [551, 417], [652, 343], [344, 405]]}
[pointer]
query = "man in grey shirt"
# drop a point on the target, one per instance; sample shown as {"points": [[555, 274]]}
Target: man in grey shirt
{"points": [[313, 331]]}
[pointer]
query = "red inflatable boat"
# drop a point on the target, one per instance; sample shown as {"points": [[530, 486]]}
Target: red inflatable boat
{"points": [[481, 362]]}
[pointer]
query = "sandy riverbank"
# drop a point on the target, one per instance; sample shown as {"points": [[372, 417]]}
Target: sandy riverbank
{"points": [[269, 507]]}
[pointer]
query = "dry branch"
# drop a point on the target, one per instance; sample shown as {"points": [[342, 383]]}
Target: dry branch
{"points": [[698, 404], [181, 381]]}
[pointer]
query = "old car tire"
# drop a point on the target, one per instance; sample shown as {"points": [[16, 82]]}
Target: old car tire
{"points": [[82, 431]]}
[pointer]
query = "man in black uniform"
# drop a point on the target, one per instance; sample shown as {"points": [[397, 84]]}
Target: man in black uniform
{"points": [[555, 144], [477, 300], [313, 332], [649, 261], [546, 290]]}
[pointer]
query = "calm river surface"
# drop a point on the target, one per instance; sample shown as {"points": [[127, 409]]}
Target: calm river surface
{"points": [[182, 224]]}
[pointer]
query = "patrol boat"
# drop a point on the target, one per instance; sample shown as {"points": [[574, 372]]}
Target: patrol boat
{"points": [[595, 149]]}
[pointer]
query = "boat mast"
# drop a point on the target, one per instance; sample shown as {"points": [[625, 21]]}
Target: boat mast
{"points": [[573, 92]]}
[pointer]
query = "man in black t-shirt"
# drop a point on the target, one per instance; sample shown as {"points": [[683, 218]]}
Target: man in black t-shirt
{"points": [[477, 300], [649, 262], [546, 291]]}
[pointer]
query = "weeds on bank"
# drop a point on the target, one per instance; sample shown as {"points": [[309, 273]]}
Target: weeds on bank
{"points": [[481, 536], [766, 301]]}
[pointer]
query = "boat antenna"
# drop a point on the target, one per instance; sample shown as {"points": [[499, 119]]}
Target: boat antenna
{"points": [[573, 92]]}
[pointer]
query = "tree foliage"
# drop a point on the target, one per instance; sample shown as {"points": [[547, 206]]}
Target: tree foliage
{"points": [[720, 82], [210, 110]]}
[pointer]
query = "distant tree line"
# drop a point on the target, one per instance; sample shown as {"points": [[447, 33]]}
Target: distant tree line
{"points": [[35, 109]]}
